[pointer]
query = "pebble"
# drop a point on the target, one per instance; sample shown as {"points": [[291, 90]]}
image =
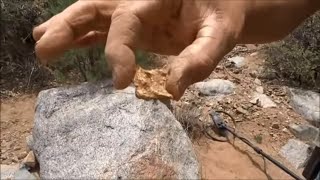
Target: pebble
{"points": [[237, 61], [3, 158], [30, 160], [242, 111], [17, 148], [219, 67], [22, 155], [237, 71], [275, 126], [277, 101], [257, 82], [259, 89], [253, 73], [14, 159], [285, 130], [254, 54]]}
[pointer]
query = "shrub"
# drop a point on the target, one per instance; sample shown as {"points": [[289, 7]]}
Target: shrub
{"points": [[19, 69], [297, 57]]}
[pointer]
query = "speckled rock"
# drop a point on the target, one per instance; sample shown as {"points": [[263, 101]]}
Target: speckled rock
{"points": [[94, 132]]}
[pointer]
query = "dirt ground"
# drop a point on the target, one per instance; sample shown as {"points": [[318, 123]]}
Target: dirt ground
{"points": [[266, 127], [16, 124], [219, 160], [225, 161]]}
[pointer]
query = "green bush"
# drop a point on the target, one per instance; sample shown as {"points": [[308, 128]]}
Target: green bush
{"points": [[57, 6], [297, 57]]}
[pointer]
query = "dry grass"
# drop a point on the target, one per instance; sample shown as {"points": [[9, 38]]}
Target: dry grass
{"points": [[189, 117]]}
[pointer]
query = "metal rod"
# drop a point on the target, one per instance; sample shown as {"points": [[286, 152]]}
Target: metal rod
{"points": [[221, 125], [260, 151]]}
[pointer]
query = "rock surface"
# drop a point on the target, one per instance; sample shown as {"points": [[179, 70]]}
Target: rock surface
{"points": [[94, 132], [306, 103], [304, 132], [296, 152], [215, 87]]}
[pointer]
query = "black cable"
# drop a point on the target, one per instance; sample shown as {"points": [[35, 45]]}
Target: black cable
{"points": [[222, 126]]}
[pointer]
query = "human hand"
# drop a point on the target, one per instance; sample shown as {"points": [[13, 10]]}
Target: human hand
{"points": [[198, 33]]}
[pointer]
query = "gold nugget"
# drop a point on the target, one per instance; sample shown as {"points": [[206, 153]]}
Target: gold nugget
{"points": [[150, 84]]}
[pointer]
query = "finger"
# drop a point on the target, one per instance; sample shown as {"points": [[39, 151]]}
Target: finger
{"points": [[40, 30], [74, 22], [92, 38], [198, 60], [121, 43]]}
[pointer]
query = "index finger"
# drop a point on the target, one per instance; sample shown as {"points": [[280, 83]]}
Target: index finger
{"points": [[57, 35]]}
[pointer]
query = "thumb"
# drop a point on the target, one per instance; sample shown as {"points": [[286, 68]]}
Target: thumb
{"points": [[198, 60]]}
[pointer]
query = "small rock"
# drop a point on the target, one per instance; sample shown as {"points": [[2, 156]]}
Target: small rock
{"points": [[316, 142], [238, 61], [304, 132], [253, 73], [285, 130], [259, 89], [17, 148], [30, 160], [36, 174], [257, 82], [296, 152], [215, 87], [277, 101], [29, 140], [251, 46], [22, 155], [254, 54], [3, 157], [262, 100], [219, 67], [242, 111], [273, 135], [269, 74], [237, 71], [275, 126], [24, 174], [8, 171], [261, 124], [14, 159]]}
